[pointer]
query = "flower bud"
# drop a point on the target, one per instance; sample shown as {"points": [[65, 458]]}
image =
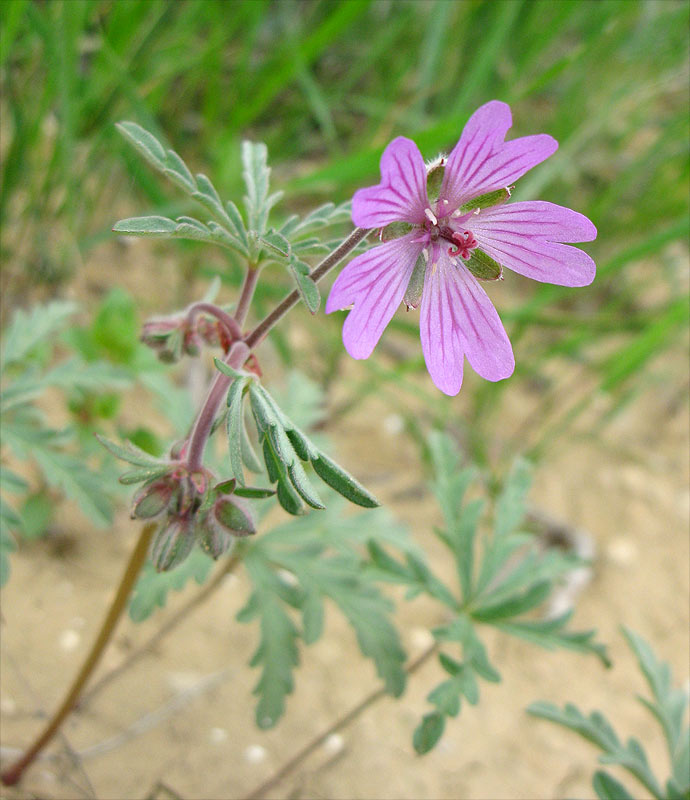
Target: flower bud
{"points": [[214, 539], [172, 543], [153, 498], [234, 515]]}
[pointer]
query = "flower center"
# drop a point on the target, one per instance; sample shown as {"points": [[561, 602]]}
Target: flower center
{"points": [[461, 243]]}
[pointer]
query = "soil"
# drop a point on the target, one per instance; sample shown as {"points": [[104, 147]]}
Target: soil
{"points": [[180, 722]]}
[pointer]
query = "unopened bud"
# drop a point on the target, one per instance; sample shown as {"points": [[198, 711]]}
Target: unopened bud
{"points": [[233, 515], [153, 498], [172, 543], [214, 539]]}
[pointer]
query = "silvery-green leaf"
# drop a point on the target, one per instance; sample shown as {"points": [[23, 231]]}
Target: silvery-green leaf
{"points": [[129, 452], [256, 176], [249, 457], [178, 172], [146, 226], [146, 474], [226, 369], [343, 483], [224, 238], [237, 222], [308, 290], [428, 732], [276, 242], [254, 492], [301, 482], [145, 142], [235, 424]]}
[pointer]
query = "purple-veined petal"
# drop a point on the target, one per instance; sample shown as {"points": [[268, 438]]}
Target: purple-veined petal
{"points": [[525, 237], [483, 162], [438, 328], [375, 282], [538, 219], [401, 195], [458, 318]]}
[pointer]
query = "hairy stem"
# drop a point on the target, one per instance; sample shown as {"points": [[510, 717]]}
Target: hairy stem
{"points": [[136, 560], [246, 294], [240, 350], [325, 266], [204, 421], [340, 723]]}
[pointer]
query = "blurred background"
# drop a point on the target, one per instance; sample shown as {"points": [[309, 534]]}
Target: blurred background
{"points": [[598, 399]]}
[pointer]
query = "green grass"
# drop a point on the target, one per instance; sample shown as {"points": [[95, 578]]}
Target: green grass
{"points": [[326, 85]]}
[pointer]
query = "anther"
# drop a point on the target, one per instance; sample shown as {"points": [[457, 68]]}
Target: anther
{"points": [[429, 214]]}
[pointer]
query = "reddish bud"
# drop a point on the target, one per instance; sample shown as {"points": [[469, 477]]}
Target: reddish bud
{"points": [[153, 498], [172, 543]]}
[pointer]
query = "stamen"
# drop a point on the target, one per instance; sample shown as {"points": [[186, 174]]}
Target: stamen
{"points": [[429, 214]]}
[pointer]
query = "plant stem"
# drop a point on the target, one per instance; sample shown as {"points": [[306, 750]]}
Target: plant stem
{"points": [[170, 624], [340, 723], [136, 560], [204, 421], [240, 350], [325, 266], [246, 294]]}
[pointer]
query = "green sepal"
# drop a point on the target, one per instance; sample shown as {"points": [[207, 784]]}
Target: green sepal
{"points": [[483, 266], [415, 287], [434, 181], [487, 200], [146, 474], [395, 230]]}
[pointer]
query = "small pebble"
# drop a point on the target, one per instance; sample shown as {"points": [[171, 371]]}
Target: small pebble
{"points": [[255, 754], [622, 552], [8, 706], [393, 424], [334, 744], [218, 735], [421, 638], [69, 640]]}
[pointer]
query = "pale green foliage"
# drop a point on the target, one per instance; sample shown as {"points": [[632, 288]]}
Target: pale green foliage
{"points": [[27, 371], [253, 240], [502, 576], [668, 705], [294, 569]]}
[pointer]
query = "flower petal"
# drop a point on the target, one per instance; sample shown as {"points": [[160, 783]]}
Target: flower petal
{"points": [[538, 219], [483, 162], [525, 237], [401, 195], [457, 317], [375, 282], [438, 326]]}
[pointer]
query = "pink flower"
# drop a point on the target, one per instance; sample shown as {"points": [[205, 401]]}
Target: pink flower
{"points": [[450, 240]]}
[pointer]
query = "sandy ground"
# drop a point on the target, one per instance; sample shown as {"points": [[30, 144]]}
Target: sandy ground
{"points": [[180, 722]]}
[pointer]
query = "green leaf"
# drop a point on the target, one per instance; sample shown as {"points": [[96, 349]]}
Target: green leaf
{"points": [[130, 453], [235, 425], [256, 177], [37, 513], [237, 223], [146, 226], [446, 698], [511, 504], [145, 142], [28, 329], [151, 590], [343, 483], [276, 242], [178, 172], [7, 542], [226, 369], [146, 474], [428, 732], [254, 492], [308, 290], [515, 605], [300, 481], [608, 788], [277, 653]]}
